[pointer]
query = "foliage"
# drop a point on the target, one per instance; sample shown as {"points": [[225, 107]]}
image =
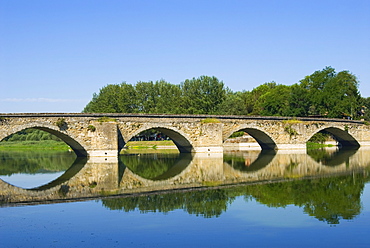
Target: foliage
{"points": [[237, 134], [31, 134], [324, 93], [327, 199], [91, 128], [291, 131], [292, 121], [210, 120], [200, 95], [149, 168], [106, 119], [31, 162], [320, 137], [34, 145], [61, 123]]}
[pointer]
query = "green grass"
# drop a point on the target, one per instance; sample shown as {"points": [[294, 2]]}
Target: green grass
{"points": [[149, 147], [149, 144], [311, 145], [31, 145]]}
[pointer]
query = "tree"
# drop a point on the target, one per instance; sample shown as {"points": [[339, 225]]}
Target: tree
{"points": [[331, 94], [276, 101], [255, 102], [235, 103], [113, 98], [298, 101], [202, 95]]}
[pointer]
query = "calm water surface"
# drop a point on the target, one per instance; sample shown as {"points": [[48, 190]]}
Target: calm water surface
{"points": [[319, 199]]}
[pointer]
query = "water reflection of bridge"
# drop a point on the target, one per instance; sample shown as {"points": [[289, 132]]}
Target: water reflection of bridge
{"points": [[101, 177]]}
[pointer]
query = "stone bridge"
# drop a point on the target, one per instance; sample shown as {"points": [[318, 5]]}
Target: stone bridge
{"points": [[104, 135]]}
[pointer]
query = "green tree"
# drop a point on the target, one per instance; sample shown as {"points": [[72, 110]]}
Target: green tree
{"points": [[158, 97], [332, 94], [298, 101], [202, 95], [113, 98], [365, 106], [234, 104], [276, 101], [255, 102]]}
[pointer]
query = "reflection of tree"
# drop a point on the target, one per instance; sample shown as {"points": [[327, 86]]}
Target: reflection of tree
{"points": [[241, 163], [31, 162], [208, 203], [331, 159], [327, 199], [156, 166]]}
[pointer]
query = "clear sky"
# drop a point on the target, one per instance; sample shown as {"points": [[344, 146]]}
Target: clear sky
{"points": [[54, 54]]}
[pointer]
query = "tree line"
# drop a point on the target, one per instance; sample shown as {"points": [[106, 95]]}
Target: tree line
{"points": [[325, 93]]}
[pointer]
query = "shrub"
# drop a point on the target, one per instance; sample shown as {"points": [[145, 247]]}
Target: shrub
{"points": [[61, 123], [91, 128], [106, 119], [210, 120]]}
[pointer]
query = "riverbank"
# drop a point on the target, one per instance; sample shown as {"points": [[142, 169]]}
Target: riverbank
{"points": [[131, 146], [34, 145], [57, 145]]}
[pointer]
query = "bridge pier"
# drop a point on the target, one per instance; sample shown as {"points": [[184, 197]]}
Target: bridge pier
{"points": [[103, 140], [209, 139]]}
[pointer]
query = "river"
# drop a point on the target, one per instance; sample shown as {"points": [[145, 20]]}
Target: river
{"points": [[316, 198]]}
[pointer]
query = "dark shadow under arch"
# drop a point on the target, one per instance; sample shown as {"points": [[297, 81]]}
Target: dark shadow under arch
{"points": [[336, 158], [344, 138], [180, 141], [261, 137]]}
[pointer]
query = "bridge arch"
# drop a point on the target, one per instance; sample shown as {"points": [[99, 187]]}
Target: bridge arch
{"points": [[179, 138], [262, 138], [71, 141], [342, 136]]}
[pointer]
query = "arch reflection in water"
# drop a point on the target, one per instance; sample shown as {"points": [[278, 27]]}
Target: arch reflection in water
{"points": [[30, 169], [332, 156], [155, 166], [249, 160]]}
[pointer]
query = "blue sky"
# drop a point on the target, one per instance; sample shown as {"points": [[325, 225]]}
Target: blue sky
{"points": [[55, 54]]}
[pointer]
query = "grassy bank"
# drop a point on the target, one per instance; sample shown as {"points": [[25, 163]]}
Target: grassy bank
{"points": [[61, 146], [31, 145], [311, 145], [149, 144]]}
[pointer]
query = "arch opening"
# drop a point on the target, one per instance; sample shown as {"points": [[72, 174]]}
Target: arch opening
{"points": [[255, 136], [155, 154], [72, 143], [159, 138], [38, 134], [339, 138]]}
